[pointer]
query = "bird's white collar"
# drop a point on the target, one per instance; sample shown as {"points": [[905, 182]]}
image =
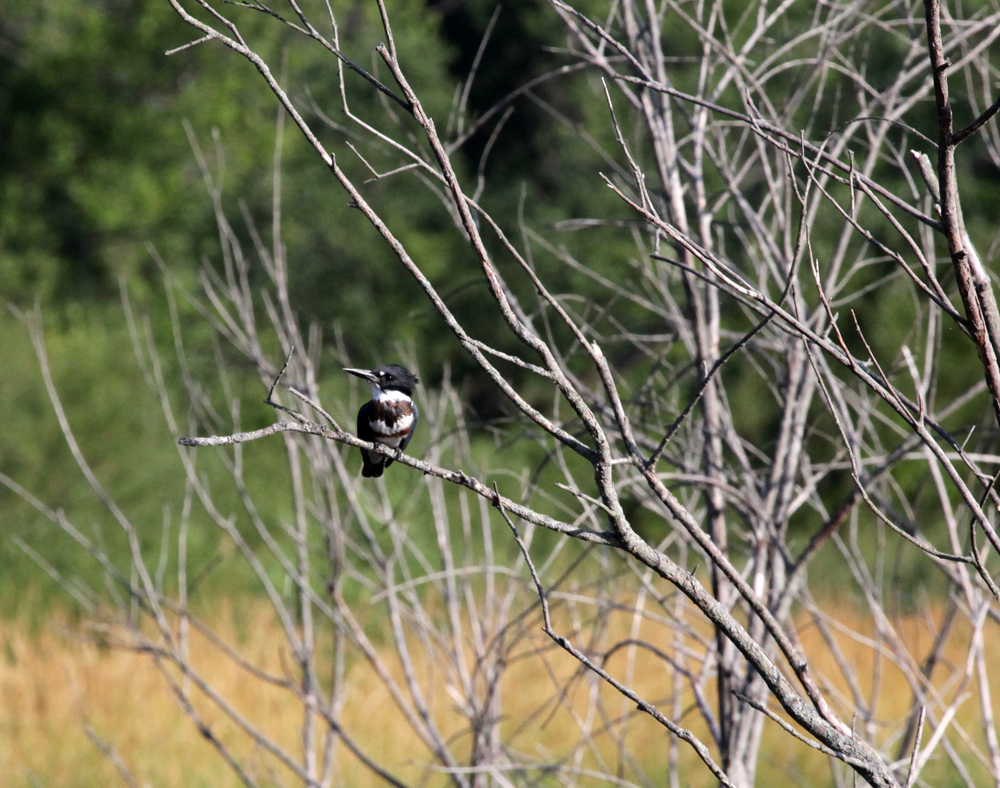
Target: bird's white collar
{"points": [[391, 396]]}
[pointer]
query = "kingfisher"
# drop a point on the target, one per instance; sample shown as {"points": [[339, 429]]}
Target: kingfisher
{"points": [[389, 417]]}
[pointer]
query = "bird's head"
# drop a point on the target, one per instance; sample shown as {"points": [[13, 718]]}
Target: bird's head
{"points": [[389, 377]]}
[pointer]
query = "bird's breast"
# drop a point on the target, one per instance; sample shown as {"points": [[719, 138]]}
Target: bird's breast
{"points": [[391, 420]]}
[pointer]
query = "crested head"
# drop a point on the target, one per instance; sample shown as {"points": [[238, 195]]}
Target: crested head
{"points": [[389, 377], [393, 377]]}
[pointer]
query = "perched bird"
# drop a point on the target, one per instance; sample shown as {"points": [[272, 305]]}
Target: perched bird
{"points": [[391, 415]]}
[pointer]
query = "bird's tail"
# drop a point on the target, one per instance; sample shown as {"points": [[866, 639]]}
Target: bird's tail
{"points": [[372, 469]]}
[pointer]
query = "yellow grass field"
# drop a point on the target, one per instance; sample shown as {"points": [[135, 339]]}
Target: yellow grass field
{"points": [[55, 685]]}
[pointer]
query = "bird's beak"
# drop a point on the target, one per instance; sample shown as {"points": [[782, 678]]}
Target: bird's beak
{"points": [[366, 374]]}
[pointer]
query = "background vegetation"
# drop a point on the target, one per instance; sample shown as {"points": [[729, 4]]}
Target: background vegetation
{"points": [[98, 170], [100, 140]]}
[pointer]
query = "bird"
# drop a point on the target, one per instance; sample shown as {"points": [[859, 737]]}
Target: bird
{"points": [[389, 417]]}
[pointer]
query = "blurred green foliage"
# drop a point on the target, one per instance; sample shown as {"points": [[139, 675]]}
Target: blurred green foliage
{"points": [[96, 167]]}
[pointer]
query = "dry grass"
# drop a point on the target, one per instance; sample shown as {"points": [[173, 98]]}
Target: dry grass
{"points": [[53, 685]]}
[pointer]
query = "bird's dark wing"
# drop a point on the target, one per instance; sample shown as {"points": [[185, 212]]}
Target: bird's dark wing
{"points": [[365, 432], [372, 463]]}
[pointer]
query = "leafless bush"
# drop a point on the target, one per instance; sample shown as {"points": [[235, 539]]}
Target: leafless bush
{"points": [[767, 212]]}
